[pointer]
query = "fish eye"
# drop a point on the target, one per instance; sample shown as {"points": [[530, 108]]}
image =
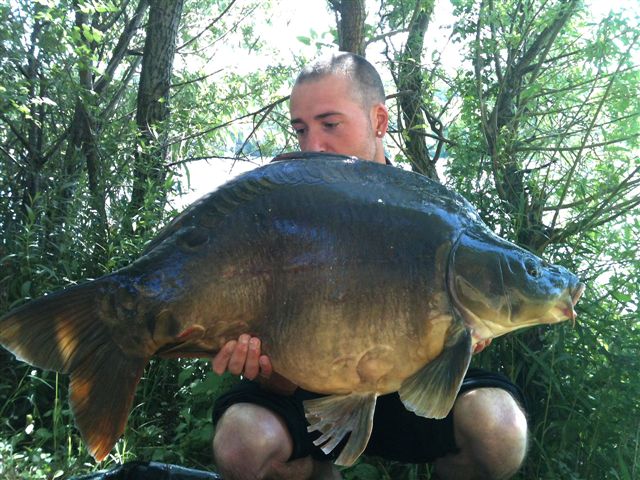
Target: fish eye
{"points": [[532, 267]]}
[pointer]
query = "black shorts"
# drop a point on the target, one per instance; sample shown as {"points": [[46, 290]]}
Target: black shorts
{"points": [[398, 434]]}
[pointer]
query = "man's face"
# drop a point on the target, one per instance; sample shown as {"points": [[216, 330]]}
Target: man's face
{"points": [[328, 117]]}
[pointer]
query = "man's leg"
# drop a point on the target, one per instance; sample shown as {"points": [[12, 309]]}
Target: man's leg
{"points": [[252, 442], [490, 430]]}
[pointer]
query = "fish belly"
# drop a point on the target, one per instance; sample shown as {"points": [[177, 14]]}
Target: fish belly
{"points": [[358, 348]]}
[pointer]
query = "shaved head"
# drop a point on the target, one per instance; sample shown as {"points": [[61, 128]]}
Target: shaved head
{"points": [[364, 80]]}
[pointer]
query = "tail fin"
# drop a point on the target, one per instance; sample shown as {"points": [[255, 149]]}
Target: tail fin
{"points": [[62, 332]]}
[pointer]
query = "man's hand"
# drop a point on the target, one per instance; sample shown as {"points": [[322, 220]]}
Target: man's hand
{"points": [[243, 357], [481, 345]]}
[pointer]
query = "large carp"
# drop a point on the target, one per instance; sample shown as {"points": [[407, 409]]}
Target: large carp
{"points": [[360, 279]]}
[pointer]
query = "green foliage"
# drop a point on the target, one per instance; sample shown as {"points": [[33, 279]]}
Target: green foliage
{"points": [[377, 469], [27, 464], [560, 175]]}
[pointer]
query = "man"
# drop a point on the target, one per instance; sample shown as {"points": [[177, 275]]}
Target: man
{"points": [[337, 105]]}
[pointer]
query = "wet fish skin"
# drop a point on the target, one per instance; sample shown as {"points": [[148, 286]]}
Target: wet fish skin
{"points": [[359, 279], [501, 287]]}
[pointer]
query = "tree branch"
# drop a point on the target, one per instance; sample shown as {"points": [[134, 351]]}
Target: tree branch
{"points": [[122, 47], [578, 148], [206, 157], [10, 157], [565, 188], [382, 36], [23, 140], [211, 24], [226, 124], [194, 80], [110, 22]]}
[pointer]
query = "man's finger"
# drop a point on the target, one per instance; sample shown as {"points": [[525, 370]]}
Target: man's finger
{"points": [[266, 369], [220, 362], [251, 366], [239, 355]]}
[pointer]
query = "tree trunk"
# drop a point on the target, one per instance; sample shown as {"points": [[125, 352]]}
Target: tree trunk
{"points": [[153, 108], [411, 88], [83, 138], [34, 137], [350, 17]]}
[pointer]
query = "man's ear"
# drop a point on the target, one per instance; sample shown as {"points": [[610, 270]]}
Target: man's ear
{"points": [[380, 118]]}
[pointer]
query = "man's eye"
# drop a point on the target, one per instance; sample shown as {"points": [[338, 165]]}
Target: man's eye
{"points": [[298, 131], [331, 125]]}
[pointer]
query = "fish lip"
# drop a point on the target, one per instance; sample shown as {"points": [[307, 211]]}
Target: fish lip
{"points": [[577, 293]]}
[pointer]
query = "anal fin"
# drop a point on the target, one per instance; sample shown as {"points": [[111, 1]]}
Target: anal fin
{"points": [[338, 415], [432, 390]]}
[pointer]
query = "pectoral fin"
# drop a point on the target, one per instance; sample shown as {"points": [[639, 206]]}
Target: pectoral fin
{"points": [[432, 390], [185, 344], [337, 415]]}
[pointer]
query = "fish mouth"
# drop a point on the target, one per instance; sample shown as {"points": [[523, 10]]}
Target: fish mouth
{"points": [[569, 310], [577, 293]]}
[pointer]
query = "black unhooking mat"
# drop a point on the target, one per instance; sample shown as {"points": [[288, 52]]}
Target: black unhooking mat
{"points": [[149, 471]]}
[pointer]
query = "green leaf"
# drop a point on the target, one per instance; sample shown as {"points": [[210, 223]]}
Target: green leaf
{"points": [[363, 471], [623, 469], [185, 374]]}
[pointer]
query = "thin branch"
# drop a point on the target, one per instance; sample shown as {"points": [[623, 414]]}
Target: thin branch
{"points": [[207, 157], [551, 135], [256, 126], [211, 24], [605, 212], [425, 134], [399, 94], [122, 47], [10, 157], [114, 18], [496, 57], [595, 221], [484, 120], [578, 148], [226, 124], [587, 200], [227, 32], [16, 132], [386, 35], [544, 92], [123, 85], [194, 80], [55, 145], [565, 188]]}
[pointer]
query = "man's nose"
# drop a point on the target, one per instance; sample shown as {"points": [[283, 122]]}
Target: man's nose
{"points": [[313, 142]]}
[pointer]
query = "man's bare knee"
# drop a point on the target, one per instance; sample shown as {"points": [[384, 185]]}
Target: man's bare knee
{"points": [[491, 431], [495, 428], [248, 439]]}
